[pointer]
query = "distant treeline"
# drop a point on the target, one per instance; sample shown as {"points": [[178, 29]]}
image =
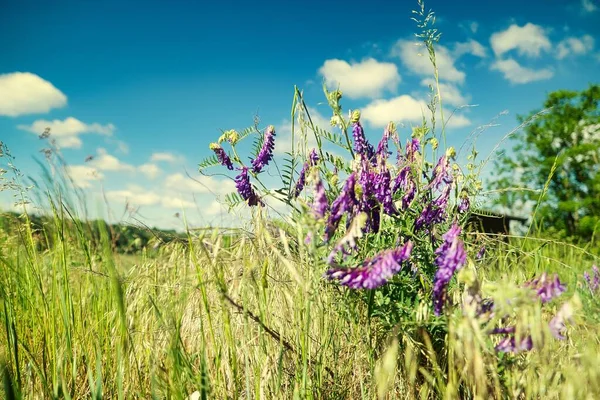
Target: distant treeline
{"points": [[122, 238]]}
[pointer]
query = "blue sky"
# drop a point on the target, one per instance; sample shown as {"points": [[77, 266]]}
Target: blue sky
{"points": [[146, 86]]}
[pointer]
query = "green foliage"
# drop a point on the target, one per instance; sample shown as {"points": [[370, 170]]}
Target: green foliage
{"points": [[558, 151]]}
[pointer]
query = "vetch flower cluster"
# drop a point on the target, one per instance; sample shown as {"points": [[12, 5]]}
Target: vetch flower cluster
{"points": [[245, 189], [266, 152], [451, 256], [592, 283], [313, 158], [375, 271], [222, 156], [546, 289]]}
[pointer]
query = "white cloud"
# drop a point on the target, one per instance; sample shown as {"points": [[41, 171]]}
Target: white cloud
{"points": [[406, 109], [416, 58], [122, 147], [138, 196], [398, 109], [67, 132], [474, 26], [164, 156], [83, 176], [26, 93], [451, 94], [588, 6], [515, 73], [529, 40], [106, 162], [150, 170], [134, 196], [368, 78], [469, 47], [573, 45], [202, 184]]}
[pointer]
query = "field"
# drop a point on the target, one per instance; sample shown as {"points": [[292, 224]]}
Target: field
{"points": [[372, 285], [246, 317]]}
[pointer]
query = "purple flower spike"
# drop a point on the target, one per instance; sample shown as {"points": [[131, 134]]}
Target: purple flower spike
{"points": [[557, 324], [441, 173], [345, 202], [266, 152], [480, 253], [375, 271], [361, 145], [312, 161], [301, 181], [593, 284], [464, 204], [510, 345], [244, 188], [451, 256], [435, 211], [382, 147], [546, 289], [222, 156], [383, 191], [320, 203]]}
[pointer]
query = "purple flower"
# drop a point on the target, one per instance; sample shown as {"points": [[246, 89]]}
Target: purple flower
{"points": [[557, 324], [382, 147], [441, 173], [222, 156], [374, 272], [510, 345], [266, 152], [480, 253], [402, 179], [383, 191], [320, 204], [435, 211], [410, 152], [361, 145], [345, 202], [409, 195], [464, 204], [245, 189], [546, 289], [368, 200], [503, 331], [301, 181], [312, 160], [593, 284], [451, 256], [313, 157]]}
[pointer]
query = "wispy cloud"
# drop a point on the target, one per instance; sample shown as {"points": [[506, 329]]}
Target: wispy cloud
{"points": [[164, 156], [201, 184], [150, 170], [574, 46], [588, 6], [515, 73], [67, 131], [24, 93], [368, 78], [83, 175], [106, 162]]}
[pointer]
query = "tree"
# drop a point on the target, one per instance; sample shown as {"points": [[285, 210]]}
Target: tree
{"points": [[557, 150]]}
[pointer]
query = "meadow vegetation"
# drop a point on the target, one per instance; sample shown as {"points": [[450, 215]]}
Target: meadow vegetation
{"points": [[373, 286]]}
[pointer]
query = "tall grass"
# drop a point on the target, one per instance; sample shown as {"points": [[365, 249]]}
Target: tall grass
{"points": [[248, 320]]}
